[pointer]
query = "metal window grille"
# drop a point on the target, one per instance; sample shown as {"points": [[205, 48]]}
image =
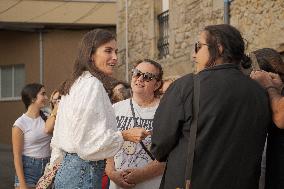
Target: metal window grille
{"points": [[163, 41]]}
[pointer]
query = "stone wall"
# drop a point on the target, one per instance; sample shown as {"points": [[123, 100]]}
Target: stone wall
{"points": [[260, 21], [141, 32]]}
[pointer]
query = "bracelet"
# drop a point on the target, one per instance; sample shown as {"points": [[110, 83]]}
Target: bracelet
{"points": [[52, 115], [271, 87]]}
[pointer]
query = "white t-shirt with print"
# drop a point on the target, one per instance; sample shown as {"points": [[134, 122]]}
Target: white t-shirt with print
{"points": [[36, 141], [132, 155]]}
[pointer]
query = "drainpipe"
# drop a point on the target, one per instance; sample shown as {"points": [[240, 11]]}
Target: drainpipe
{"points": [[126, 41], [226, 11], [40, 57]]}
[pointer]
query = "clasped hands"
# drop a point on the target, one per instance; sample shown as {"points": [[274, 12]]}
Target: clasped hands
{"points": [[128, 178], [267, 79]]}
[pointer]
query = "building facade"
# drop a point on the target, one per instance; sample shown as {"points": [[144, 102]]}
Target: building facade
{"points": [[38, 43], [165, 30]]}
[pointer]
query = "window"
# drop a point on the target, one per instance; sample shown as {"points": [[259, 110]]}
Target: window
{"points": [[12, 80], [163, 41]]}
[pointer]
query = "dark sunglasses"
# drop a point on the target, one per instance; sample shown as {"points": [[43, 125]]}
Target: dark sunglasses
{"points": [[198, 46], [146, 76]]}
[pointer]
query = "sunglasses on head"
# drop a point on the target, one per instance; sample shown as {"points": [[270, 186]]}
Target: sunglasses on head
{"points": [[198, 46], [56, 99], [146, 76]]}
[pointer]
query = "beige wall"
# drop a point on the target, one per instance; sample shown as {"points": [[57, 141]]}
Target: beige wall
{"points": [[17, 48], [260, 21], [59, 51]]}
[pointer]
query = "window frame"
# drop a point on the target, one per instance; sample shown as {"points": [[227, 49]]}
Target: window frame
{"points": [[13, 97], [163, 38]]}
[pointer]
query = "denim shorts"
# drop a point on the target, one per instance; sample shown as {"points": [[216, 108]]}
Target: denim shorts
{"points": [[77, 173], [33, 170]]}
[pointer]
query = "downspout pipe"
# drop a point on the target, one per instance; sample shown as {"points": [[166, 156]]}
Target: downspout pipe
{"points": [[227, 11], [41, 69], [126, 42]]}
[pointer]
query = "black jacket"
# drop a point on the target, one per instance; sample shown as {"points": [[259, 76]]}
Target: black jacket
{"points": [[233, 119]]}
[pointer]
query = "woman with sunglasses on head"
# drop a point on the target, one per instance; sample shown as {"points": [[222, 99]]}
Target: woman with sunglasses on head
{"points": [[31, 145], [54, 101], [231, 124], [133, 166], [85, 129]]}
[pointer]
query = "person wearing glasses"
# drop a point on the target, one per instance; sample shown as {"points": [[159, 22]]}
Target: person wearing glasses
{"points": [[133, 166], [232, 122], [85, 130]]}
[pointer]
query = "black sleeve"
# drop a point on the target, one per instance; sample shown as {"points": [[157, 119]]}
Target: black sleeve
{"points": [[168, 122]]}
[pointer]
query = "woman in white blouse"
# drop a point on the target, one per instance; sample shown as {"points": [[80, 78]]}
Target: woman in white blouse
{"points": [[85, 129]]}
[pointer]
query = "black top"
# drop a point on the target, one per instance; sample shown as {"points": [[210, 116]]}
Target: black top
{"points": [[275, 158], [233, 118]]}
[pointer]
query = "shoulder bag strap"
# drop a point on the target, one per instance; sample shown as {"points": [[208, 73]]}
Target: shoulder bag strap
{"points": [[136, 125], [193, 131]]}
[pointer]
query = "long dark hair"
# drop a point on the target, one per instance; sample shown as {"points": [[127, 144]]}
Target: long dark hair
{"points": [[29, 94], [268, 60], [156, 65], [89, 44], [229, 38]]}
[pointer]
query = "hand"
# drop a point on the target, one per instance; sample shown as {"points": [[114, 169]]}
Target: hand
{"points": [[55, 107], [133, 175], [277, 81], [135, 134], [23, 186], [117, 178], [263, 78]]}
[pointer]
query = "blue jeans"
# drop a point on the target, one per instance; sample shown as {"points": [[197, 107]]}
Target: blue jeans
{"points": [[33, 170], [77, 173]]}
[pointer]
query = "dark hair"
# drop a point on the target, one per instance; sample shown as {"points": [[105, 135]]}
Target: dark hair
{"points": [[270, 60], [123, 93], [29, 93], [159, 76], [229, 38], [89, 44]]}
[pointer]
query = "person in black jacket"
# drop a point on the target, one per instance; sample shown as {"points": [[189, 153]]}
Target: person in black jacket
{"points": [[233, 118]]}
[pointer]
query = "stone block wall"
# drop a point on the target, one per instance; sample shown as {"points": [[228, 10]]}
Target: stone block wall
{"points": [[260, 21]]}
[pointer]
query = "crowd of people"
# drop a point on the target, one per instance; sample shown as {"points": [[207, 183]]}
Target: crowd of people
{"points": [[103, 133]]}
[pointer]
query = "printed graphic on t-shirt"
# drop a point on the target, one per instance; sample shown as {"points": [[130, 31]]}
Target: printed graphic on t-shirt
{"points": [[132, 154]]}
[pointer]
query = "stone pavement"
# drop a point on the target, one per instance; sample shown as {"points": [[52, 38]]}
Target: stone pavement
{"points": [[6, 167]]}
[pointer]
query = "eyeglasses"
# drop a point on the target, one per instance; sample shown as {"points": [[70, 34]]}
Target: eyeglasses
{"points": [[198, 46], [146, 76]]}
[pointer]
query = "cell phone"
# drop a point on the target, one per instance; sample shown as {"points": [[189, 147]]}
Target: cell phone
{"points": [[254, 62]]}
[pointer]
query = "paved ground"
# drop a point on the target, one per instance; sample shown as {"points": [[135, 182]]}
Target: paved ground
{"points": [[6, 167]]}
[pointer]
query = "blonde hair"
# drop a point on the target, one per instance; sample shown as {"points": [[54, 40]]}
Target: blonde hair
{"points": [[51, 98]]}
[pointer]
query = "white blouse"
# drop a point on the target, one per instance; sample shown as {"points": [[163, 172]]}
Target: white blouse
{"points": [[86, 123]]}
